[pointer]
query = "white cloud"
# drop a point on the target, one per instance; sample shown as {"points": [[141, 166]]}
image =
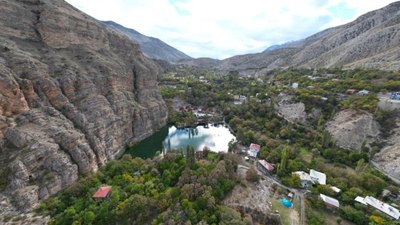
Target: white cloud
{"points": [[223, 28]]}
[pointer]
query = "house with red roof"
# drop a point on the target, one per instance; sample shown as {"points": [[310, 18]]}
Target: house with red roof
{"points": [[265, 167], [253, 150], [102, 193]]}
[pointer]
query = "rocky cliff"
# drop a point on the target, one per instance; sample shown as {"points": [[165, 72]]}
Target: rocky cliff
{"points": [[73, 94], [388, 158], [152, 47]]}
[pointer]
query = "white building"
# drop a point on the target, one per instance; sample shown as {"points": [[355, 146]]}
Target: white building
{"points": [[381, 206], [305, 179], [318, 177], [331, 202], [363, 92], [295, 85], [335, 189]]}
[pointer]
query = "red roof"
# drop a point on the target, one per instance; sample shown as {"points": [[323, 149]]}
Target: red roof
{"points": [[102, 192], [266, 165], [255, 147]]}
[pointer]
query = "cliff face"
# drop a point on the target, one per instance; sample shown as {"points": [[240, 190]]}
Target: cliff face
{"points": [[73, 94]]}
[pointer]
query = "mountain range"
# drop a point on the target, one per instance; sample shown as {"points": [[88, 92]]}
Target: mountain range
{"points": [[370, 41]]}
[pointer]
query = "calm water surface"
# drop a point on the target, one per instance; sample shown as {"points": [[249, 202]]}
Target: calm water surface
{"points": [[216, 138]]}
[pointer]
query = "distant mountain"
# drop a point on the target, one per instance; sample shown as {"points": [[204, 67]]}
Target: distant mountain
{"points": [[285, 45], [201, 62], [371, 41], [151, 47]]}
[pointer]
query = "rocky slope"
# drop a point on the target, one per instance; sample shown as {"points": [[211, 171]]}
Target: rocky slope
{"points": [[152, 47], [371, 41], [388, 158], [350, 128], [73, 94]]}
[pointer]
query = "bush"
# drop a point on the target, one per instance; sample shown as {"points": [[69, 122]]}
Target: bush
{"points": [[252, 175]]}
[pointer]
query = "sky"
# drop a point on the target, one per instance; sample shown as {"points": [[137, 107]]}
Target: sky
{"points": [[224, 28]]}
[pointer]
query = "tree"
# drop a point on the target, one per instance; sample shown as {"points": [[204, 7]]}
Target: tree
{"points": [[283, 163], [252, 175], [191, 156]]}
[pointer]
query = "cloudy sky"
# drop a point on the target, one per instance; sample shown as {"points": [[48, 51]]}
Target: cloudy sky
{"points": [[223, 28]]}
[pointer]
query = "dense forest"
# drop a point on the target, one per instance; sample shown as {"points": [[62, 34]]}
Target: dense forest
{"points": [[173, 189]]}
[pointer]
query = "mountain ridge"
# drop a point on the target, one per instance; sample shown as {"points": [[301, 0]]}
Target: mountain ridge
{"points": [[152, 47], [370, 41]]}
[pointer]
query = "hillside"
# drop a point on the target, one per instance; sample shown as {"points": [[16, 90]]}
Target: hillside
{"points": [[152, 47], [371, 41], [73, 94]]}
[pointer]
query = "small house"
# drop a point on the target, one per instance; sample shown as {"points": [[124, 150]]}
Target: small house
{"points": [[335, 189], [363, 92], [305, 179], [295, 85], [102, 193], [351, 91], [318, 177], [253, 150], [265, 167], [329, 201]]}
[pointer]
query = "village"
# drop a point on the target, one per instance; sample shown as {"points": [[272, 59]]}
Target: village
{"points": [[307, 185], [313, 178]]}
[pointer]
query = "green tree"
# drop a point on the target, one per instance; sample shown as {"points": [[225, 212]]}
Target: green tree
{"points": [[190, 156]]}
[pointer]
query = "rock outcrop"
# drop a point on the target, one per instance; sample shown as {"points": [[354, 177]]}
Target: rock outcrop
{"points": [[350, 128], [73, 94], [291, 111], [388, 158]]}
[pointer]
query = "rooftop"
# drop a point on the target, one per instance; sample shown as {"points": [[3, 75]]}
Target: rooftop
{"points": [[330, 201], [318, 176], [255, 147], [102, 192], [266, 165], [335, 189], [381, 206], [303, 175]]}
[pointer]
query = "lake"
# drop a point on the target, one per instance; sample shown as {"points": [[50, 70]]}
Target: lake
{"points": [[216, 138]]}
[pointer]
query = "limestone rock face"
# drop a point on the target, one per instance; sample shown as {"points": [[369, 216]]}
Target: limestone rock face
{"points": [[350, 128], [73, 94]]}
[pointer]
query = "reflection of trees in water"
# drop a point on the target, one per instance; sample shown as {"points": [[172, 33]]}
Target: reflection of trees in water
{"points": [[192, 132]]}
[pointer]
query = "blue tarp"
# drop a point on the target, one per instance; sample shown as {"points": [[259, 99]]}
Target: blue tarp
{"points": [[286, 203]]}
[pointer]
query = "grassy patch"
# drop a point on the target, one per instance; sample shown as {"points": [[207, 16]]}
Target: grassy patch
{"points": [[305, 155], [283, 211]]}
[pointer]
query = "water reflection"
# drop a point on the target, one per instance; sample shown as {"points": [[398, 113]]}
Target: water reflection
{"points": [[216, 138]]}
